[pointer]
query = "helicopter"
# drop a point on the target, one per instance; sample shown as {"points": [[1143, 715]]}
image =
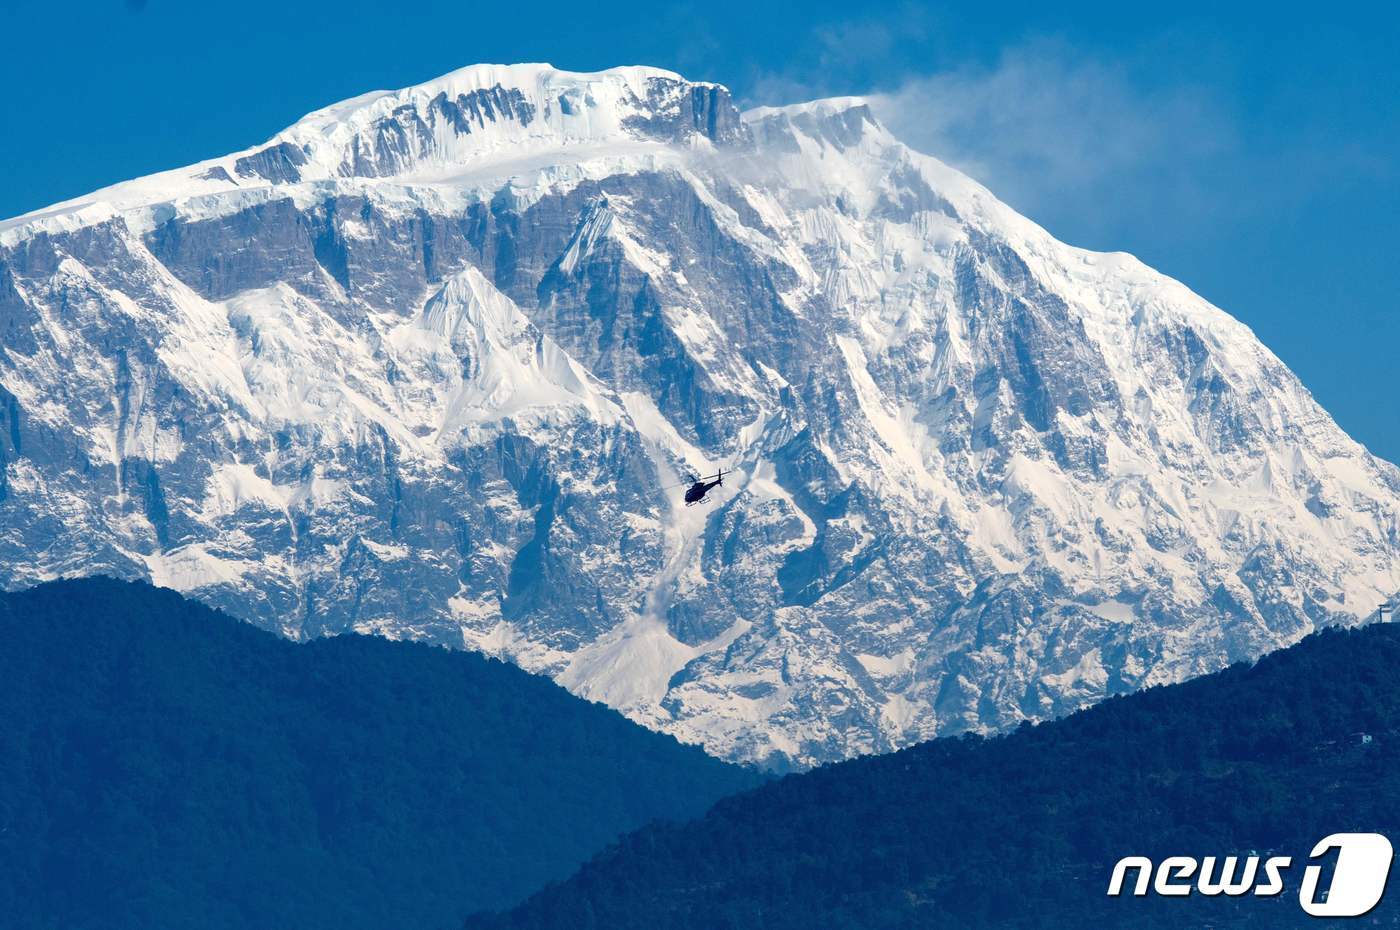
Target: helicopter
{"points": [[699, 487]]}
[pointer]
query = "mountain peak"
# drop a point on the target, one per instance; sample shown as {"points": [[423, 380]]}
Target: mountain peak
{"points": [[473, 113], [822, 107], [538, 82], [471, 118], [840, 122]]}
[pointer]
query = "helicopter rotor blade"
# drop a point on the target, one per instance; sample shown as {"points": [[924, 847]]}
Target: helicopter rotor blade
{"points": [[696, 478]]}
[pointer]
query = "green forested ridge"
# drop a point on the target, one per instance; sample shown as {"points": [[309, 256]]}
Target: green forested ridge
{"points": [[163, 766], [1023, 830]]}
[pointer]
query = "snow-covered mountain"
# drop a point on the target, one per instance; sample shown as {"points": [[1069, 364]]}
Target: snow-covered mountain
{"points": [[427, 362]]}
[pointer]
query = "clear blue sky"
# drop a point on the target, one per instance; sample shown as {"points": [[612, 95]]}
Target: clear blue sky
{"points": [[1253, 154]]}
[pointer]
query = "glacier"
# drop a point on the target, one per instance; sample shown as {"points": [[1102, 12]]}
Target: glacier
{"points": [[428, 363]]}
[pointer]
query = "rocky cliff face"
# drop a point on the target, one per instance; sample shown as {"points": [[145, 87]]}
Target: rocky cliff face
{"points": [[427, 362]]}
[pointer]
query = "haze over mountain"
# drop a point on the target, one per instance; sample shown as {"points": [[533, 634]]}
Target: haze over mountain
{"points": [[163, 765], [426, 364]]}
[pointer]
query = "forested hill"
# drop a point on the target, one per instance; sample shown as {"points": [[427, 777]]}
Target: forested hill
{"points": [[1023, 830], [165, 766]]}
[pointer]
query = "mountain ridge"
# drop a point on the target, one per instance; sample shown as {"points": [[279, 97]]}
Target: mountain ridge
{"points": [[1023, 829], [466, 100], [167, 765]]}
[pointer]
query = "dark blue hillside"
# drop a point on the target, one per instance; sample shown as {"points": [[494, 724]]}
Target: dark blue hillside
{"points": [[1022, 831], [164, 766]]}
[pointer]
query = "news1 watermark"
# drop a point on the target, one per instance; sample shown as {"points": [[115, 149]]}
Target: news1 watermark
{"points": [[1359, 875]]}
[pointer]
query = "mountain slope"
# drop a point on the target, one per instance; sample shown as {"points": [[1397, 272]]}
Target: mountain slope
{"points": [[426, 363], [162, 765], [1023, 830]]}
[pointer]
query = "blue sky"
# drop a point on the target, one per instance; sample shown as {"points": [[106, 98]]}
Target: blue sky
{"points": [[1254, 154]]}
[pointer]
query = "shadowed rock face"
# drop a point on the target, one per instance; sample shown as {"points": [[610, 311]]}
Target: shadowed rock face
{"points": [[276, 163], [677, 110], [391, 143], [426, 365]]}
